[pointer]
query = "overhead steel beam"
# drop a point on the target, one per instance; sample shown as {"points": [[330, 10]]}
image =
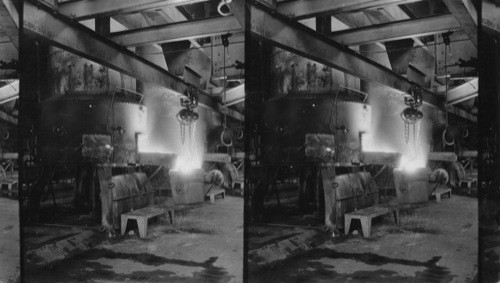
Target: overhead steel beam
{"points": [[461, 113], [392, 14], [42, 23], [4, 38], [230, 112], [56, 29], [7, 117], [88, 9], [463, 16], [472, 10], [463, 92], [9, 99], [9, 92], [296, 38], [9, 21], [303, 9], [489, 17], [174, 15], [177, 31], [397, 30], [235, 102], [235, 95], [397, 14], [238, 10], [470, 96]]}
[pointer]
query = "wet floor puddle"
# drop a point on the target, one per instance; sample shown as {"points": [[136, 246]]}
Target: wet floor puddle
{"points": [[322, 265], [490, 258], [99, 264]]}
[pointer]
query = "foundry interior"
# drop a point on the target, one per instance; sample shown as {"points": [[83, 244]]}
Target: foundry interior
{"points": [[132, 133], [363, 154], [9, 169]]}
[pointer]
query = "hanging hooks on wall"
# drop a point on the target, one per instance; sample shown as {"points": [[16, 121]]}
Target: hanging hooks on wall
{"points": [[226, 136]]}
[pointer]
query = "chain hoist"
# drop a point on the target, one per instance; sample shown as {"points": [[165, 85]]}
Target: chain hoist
{"points": [[412, 115], [186, 115]]}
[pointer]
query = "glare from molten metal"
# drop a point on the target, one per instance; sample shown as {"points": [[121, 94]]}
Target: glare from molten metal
{"points": [[188, 160], [411, 160], [410, 163], [189, 157]]}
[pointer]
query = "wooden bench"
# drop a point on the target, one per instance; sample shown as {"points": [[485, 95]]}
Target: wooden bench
{"points": [[10, 184], [141, 216], [440, 191], [469, 181], [366, 215], [215, 192], [241, 184]]}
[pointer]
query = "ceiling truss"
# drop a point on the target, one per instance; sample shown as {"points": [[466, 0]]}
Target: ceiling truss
{"points": [[47, 25]]}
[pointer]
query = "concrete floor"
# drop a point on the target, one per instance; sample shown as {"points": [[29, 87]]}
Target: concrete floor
{"points": [[434, 242], [489, 229], [205, 245], [9, 240], [490, 261]]}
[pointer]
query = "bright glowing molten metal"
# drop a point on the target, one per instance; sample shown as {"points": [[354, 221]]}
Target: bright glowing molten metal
{"points": [[188, 158]]}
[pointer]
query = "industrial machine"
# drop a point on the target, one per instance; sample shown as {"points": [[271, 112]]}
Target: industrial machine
{"points": [[83, 137], [309, 137], [69, 123], [94, 141], [289, 120], [318, 139]]}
